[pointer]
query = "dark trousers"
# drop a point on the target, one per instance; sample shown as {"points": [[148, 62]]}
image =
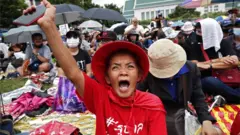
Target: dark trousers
{"points": [[175, 122], [215, 86]]}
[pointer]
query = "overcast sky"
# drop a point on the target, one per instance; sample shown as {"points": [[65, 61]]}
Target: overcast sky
{"points": [[119, 3]]}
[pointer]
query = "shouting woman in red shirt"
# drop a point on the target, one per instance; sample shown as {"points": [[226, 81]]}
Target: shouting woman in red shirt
{"points": [[120, 109]]}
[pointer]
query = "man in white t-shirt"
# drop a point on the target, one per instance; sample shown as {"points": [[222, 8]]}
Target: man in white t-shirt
{"points": [[134, 27]]}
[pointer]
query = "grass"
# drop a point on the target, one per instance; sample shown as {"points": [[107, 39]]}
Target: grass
{"points": [[12, 84]]}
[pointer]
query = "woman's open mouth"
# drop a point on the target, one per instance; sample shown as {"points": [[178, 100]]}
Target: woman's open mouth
{"points": [[123, 86]]}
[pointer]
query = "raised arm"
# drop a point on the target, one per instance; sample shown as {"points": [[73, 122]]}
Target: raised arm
{"points": [[65, 59]]}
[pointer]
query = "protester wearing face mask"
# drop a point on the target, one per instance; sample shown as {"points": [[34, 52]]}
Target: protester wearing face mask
{"points": [[16, 54], [82, 57], [211, 43], [39, 56]]}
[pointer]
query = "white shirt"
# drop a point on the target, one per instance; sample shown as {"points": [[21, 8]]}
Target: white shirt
{"points": [[139, 29]]}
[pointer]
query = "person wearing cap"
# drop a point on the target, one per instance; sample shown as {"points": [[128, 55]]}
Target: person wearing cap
{"points": [[226, 28], [169, 71], [117, 66], [134, 26], [212, 46], [39, 56], [133, 37], [188, 30], [106, 37], [81, 56]]}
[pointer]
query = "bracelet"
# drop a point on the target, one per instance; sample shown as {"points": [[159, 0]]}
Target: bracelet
{"points": [[211, 66]]}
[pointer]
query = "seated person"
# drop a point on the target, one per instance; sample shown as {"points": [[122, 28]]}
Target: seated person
{"points": [[118, 66], [82, 58], [236, 41], [106, 37], [16, 54], [38, 55], [212, 47], [133, 37], [169, 72]]}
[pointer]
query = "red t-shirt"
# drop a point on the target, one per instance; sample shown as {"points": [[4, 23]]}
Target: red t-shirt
{"points": [[145, 115]]}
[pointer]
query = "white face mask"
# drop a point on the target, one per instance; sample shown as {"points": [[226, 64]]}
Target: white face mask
{"points": [[72, 42], [19, 55]]}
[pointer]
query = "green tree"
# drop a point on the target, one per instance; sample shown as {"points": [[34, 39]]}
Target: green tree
{"points": [[10, 10], [85, 4], [113, 7], [213, 14], [181, 13]]}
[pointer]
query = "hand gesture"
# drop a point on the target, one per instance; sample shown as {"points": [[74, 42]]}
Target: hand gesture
{"points": [[34, 51]]}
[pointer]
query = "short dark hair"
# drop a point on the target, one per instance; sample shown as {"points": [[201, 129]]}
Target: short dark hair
{"points": [[123, 51], [198, 25], [37, 35]]}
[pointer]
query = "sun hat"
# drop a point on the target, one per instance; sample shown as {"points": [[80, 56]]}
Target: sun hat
{"points": [[170, 32], [101, 56], [166, 58], [188, 26]]}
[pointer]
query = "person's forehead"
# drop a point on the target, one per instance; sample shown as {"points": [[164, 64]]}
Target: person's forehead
{"points": [[122, 58]]}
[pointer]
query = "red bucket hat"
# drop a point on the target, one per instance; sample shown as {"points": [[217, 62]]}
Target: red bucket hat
{"points": [[102, 55]]}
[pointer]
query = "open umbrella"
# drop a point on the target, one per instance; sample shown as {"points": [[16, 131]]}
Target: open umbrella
{"points": [[22, 34], [178, 23], [67, 13], [104, 14], [90, 24], [220, 18], [118, 28]]}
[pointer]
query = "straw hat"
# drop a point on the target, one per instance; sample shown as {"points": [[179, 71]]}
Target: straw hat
{"points": [[166, 58], [187, 26]]}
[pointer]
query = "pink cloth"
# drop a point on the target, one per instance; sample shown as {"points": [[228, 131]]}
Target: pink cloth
{"points": [[28, 102]]}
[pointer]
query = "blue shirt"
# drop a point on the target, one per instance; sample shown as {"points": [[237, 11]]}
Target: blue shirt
{"points": [[172, 83]]}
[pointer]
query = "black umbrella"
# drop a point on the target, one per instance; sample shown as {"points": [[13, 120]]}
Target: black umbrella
{"points": [[67, 13], [104, 14], [119, 28]]}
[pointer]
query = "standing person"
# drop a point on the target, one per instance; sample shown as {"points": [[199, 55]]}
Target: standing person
{"points": [[134, 26], [118, 106], [39, 56], [81, 56], [168, 68]]}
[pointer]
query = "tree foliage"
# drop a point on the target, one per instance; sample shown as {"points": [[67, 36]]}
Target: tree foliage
{"points": [[113, 7], [213, 14], [181, 13], [10, 10]]}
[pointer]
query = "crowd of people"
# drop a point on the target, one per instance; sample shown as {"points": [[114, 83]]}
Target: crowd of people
{"points": [[138, 84]]}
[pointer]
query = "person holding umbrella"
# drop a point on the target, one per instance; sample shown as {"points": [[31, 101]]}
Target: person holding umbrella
{"points": [[117, 66]]}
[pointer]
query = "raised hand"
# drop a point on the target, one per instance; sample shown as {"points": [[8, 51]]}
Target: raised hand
{"points": [[49, 15]]}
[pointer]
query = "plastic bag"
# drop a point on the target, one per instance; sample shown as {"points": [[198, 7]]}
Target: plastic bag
{"points": [[192, 125], [66, 99]]}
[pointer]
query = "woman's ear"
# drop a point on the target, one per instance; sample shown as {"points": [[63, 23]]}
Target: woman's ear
{"points": [[140, 75], [107, 80]]}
